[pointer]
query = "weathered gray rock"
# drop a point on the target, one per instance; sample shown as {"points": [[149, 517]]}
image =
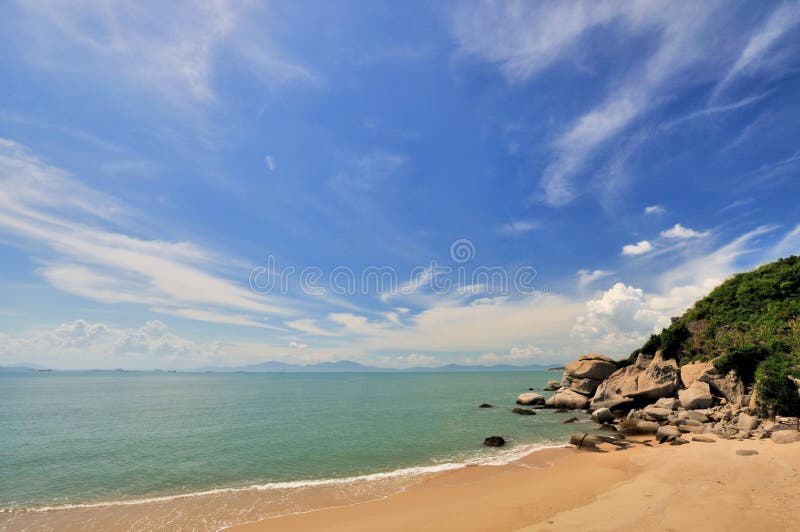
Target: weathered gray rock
{"points": [[667, 433], [697, 415], [603, 415], [650, 378], [697, 395], [691, 372], [524, 412], [786, 436], [670, 403], [694, 429], [653, 413], [703, 439], [747, 422], [728, 386], [638, 426], [552, 386], [570, 420], [570, 400], [595, 367], [530, 398], [679, 441], [585, 387]]}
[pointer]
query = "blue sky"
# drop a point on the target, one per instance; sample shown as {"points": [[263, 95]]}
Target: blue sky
{"points": [[152, 156]]}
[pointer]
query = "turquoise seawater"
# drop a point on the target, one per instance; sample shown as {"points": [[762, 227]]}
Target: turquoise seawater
{"points": [[77, 437]]}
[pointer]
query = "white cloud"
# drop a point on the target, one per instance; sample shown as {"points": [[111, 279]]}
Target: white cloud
{"points": [[587, 277], [523, 38], [782, 19], [680, 232], [308, 326], [654, 209], [298, 346], [517, 356], [64, 220], [640, 248], [162, 47], [271, 164], [519, 227], [411, 360]]}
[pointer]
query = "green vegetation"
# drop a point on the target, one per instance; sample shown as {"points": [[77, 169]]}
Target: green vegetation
{"points": [[748, 324]]}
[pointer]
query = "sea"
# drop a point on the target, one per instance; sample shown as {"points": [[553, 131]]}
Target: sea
{"points": [[79, 439]]}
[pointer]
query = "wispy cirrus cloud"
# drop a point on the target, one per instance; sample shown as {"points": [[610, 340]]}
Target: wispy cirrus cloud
{"points": [[170, 49], [69, 225]]}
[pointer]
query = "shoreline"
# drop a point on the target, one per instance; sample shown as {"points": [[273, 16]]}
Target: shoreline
{"points": [[547, 488]]}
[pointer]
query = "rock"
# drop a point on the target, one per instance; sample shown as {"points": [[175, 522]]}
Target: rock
{"points": [[596, 367], [694, 429], [653, 413], [570, 420], [659, 379], [785, 436], [728, 386], [530, 398], [703, 439], [650, 378], [747, 422], [670, 403], [697, 395], [552, 386], [746, 452], [578, 439], [485, 405], [690, 372], [696, 415], [570, 400], [667, 433], [603, 415], [585, 387], [638, 426], [679, 441], [494, 441], [687, 421], [524, 412]]}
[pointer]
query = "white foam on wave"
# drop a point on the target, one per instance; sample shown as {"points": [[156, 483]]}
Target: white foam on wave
{"points": [[503, 457]]}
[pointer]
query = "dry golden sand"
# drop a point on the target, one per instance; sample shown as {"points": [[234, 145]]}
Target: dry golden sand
{"points": [[699, 486]]}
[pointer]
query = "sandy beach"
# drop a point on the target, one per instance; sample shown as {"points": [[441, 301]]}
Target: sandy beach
{"points": [[699, 486]]}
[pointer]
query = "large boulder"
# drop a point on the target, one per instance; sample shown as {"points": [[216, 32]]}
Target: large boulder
{"points": [[650, 378], [585, 387], [691, 372], [729, 386], [552, 386], [697, 395], [747, 422], [603, 415], [595, 367], [530, 398], [786, 436], [654, 413], [670, 403], [569, 400]]}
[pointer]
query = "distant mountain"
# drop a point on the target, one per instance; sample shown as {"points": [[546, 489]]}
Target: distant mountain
{"points": [[343, 366], [18, 369]]}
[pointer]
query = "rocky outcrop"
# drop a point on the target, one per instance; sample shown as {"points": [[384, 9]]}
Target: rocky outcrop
{"points": [[494, 441], [650, 378], [697, 395], [585, 374], [690, 372], [729, 386], [524, 412], [530, 398], [568, 400]]}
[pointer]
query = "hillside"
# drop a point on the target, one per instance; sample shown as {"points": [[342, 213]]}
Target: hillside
{"points": [[749, 324]]}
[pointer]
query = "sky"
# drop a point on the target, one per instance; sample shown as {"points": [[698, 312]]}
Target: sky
{"points": [[214, 183]]}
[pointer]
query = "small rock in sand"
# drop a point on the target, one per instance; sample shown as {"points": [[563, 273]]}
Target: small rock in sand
{"points": [[746, 452]]}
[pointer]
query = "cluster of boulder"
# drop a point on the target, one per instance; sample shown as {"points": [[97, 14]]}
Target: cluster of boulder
{"points": [[655, 396]]}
